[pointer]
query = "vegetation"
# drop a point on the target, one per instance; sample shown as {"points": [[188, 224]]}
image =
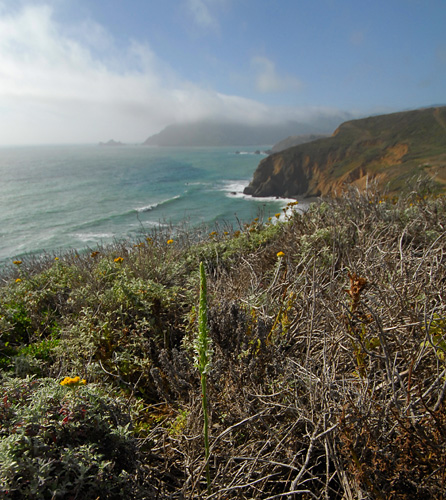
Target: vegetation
{"points": [[203, 361], [390, 149], [328, 375]]}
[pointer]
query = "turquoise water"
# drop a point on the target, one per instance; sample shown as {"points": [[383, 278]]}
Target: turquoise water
{"points": [[54, 198]]}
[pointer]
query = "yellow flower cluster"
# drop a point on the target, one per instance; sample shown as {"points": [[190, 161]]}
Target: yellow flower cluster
{"points": [[17, 262], [169, 242], [73, 381], [119, 260]]}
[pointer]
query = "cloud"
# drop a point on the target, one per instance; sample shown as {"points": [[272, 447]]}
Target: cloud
{"points": [[73, 84], [268, 80], [203, 12]]}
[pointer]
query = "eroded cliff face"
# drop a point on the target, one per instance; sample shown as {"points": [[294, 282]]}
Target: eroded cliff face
{"points": [[276, 176], [381, 149], [302, 174]]}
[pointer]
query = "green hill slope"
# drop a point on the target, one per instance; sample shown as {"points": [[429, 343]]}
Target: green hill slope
{"points": [[392, 150]]}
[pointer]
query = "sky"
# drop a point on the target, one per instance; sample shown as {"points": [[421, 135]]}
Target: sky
{"points": [[83, 71]]}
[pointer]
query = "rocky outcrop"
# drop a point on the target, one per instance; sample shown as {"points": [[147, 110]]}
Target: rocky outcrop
{"points": [[112, 143], [387, 149]]}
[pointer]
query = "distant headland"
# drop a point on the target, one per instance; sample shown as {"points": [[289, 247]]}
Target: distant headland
{"points": [[218, 134]]}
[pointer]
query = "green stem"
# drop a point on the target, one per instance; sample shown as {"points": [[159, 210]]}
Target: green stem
{"points": [[205, 430], [204, 355]]}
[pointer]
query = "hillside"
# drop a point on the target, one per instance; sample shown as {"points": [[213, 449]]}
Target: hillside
{"points": [[295, 140], [212, 133], [391, 150], [327, 374]]}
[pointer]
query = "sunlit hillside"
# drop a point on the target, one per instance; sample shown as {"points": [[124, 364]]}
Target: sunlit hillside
{"points": [[390, 150]]}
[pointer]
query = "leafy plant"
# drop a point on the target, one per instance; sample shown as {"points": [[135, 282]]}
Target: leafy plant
{"points": [[60, 443], [437, 337]]}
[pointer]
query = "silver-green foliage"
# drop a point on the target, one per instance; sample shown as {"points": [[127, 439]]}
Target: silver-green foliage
{"points": [[60, 442]]}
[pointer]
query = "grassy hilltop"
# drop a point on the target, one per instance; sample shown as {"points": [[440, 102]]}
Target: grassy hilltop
{"points": [[328, 375], [388, 149]]}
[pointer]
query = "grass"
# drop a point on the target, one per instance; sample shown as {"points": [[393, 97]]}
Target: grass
{"points": [[328, 375]]}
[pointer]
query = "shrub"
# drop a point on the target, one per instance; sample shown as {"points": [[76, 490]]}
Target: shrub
{"points": [[64, 442], [316, 393]]}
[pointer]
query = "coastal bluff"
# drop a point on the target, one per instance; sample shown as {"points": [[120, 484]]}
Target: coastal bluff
{"points": [[391, 150]]}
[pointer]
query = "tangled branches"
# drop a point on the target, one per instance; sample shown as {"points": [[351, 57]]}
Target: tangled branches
{"points": [[316, 393]]}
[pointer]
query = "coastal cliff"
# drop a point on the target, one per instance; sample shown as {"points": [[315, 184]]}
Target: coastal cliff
{"points": [[389, 149]]}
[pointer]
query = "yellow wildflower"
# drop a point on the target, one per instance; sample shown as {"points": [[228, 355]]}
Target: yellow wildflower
{"points": [[278, 215], [280, 254], [169, 242], [17, 262], [119, 260], [75, 381], [18, 280]]}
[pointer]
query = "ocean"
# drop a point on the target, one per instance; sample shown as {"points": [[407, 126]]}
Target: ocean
{"points": [[56, 198]]}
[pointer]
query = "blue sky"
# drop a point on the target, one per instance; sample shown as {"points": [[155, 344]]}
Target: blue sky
{"points": [[90, 70]]}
